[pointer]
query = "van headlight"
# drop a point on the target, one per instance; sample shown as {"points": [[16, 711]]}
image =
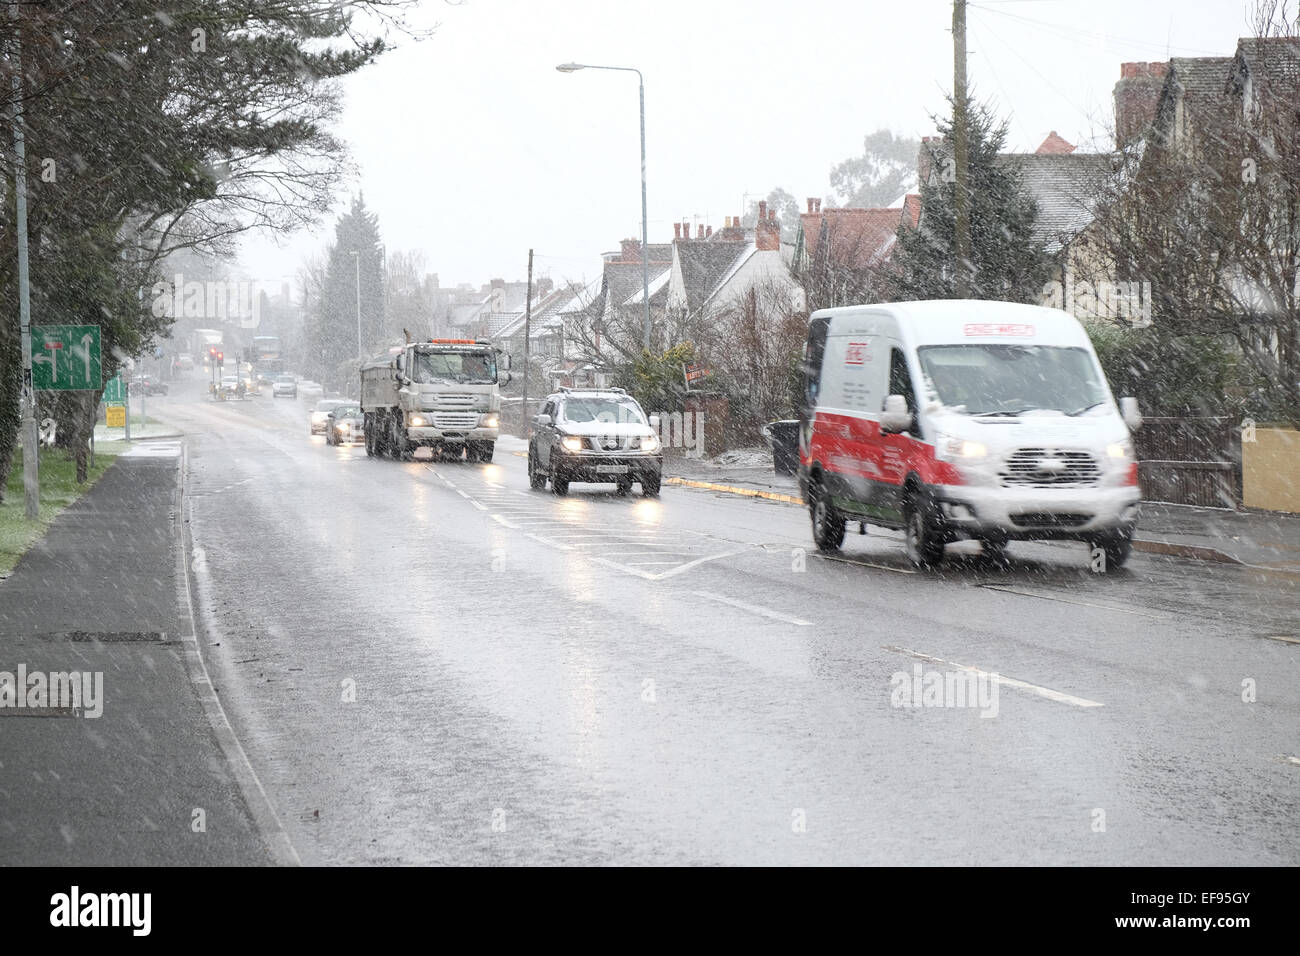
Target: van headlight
{"points": [[949, 448], [1120, 449], [572, 443]]}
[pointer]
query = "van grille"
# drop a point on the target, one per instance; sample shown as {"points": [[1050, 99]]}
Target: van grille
{"points": [[1050, 467]]}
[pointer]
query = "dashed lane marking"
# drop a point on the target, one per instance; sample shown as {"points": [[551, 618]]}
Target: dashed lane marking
{"points": [[1059, 696], [753, 608]]}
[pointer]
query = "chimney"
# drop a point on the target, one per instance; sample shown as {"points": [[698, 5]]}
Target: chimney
{"points": [[762, 210], [930, 150], [699, 234], [677, 230], [545, 285], [767, 231], [498, 283], [631, 250], [812, 203], [1136, 96], [708, 232], [726, 222]]}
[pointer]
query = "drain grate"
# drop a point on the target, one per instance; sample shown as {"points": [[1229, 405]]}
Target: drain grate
{"points": [[105, 637]]}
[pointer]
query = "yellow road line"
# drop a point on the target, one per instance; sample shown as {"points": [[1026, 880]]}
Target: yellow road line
{"points": [[733, 490]]}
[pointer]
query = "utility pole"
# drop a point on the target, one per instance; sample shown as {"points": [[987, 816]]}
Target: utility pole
{"points": [[528, 331], [960, 147], [31, 466]]}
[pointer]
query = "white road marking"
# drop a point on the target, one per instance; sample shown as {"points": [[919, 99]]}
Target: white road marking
{"points": [[549, 543], [1056, 695], [508, 524], [753, 608], [865, 564], [462, 493], [478, 505]]}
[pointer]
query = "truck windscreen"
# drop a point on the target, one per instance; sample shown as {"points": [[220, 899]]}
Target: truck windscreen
{"points": [[463, 368]]}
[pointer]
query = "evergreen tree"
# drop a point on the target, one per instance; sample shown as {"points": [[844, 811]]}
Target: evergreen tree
{"points": [[355, 264], [1006, 262]]}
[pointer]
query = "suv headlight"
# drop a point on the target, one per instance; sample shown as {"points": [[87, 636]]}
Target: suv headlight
{"points": [[572, 443], [649, 443], [949, 448]]}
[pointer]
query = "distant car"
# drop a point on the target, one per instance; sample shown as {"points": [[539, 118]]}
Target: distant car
{"points": [[285, 385], [309, 389], [344, 424], [587, 434], [148, 385], [320, 415], [184, 363]]}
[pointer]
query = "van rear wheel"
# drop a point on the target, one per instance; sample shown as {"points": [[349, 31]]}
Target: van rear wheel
{"points": [[827, 523]]}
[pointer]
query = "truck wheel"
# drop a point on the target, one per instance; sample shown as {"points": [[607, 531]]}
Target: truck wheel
{"points": [[827, 523], [650, 484], [924, 544], [485, 450], [536, 477], [368, 423], [401, 446]]}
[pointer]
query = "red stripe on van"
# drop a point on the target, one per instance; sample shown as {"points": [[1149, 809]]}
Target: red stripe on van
{"points": [[852, 446]]}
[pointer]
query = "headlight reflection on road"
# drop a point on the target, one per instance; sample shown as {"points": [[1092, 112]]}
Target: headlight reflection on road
{"points": [[648, 511]]}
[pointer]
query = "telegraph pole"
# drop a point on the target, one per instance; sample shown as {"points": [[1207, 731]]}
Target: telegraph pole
{"points": [[960, 148], [528, 331], [31, 473]]}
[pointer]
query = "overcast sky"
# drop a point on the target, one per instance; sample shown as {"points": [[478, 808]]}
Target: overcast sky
{"points": [[473, 148]]}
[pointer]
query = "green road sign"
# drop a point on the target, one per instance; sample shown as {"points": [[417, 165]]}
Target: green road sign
{"points": [[65, 357], [114, 391]]}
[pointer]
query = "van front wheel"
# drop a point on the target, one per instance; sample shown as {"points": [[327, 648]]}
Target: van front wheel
{"points": [[827, 524], [924, 544]]}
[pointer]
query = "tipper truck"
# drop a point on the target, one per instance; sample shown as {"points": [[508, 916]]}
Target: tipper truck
{"points": [[443, 394]]}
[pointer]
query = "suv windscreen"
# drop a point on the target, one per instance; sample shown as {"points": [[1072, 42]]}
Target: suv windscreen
{"points": [[1009, 379], [582, 411], [463, 368], [347, 411]]}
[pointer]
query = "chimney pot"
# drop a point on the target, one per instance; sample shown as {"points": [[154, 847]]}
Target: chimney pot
{"points": [[708, 231], [699, 231], [762, 209], [677, 230]]}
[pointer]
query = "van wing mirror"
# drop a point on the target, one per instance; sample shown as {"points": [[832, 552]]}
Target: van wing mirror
{"points": [[895, 417], [1128, 408]]}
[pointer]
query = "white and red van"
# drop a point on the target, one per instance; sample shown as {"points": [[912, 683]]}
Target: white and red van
{"points": [[961, 419]]}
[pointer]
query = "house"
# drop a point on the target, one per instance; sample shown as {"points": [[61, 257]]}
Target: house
{"points": [[712, 272], [851, 238]]}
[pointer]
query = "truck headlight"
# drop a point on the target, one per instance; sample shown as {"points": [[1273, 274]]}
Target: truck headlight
{"points": [[1120, 449], [490, 421], [572, 443], [417, 421]]}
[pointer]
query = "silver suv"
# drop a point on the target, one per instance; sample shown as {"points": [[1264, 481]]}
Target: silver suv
{"points": [[598, 435]]}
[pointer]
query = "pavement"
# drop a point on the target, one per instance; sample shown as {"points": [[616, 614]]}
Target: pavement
{"points": [[1258, 539], [147, 781]]}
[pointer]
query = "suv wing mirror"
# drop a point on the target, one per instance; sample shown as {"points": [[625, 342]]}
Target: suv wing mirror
{"points": [[895, 417], [542, 420]]}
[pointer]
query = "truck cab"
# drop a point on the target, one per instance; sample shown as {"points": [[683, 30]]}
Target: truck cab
{"points": [[442, 394]]}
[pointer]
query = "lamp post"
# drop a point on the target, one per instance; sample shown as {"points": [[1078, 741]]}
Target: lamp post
{"points": [[645, 237], [356, 258]]}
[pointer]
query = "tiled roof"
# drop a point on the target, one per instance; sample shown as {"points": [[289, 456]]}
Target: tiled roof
{"points": [[1066, 187], [704, 264], [859, 238]]}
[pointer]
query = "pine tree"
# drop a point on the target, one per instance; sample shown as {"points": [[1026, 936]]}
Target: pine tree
{"points": [[1006, 262], [357, 231]]}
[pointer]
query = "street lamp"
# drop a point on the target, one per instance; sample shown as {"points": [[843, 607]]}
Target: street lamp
{"points": [[356, 257], [645, 236]]}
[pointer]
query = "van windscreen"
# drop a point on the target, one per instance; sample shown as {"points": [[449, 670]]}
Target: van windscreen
{"points": [[991, 379]]}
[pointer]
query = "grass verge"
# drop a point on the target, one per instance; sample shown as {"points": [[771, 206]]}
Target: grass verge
{"points": [[59, 488]]}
